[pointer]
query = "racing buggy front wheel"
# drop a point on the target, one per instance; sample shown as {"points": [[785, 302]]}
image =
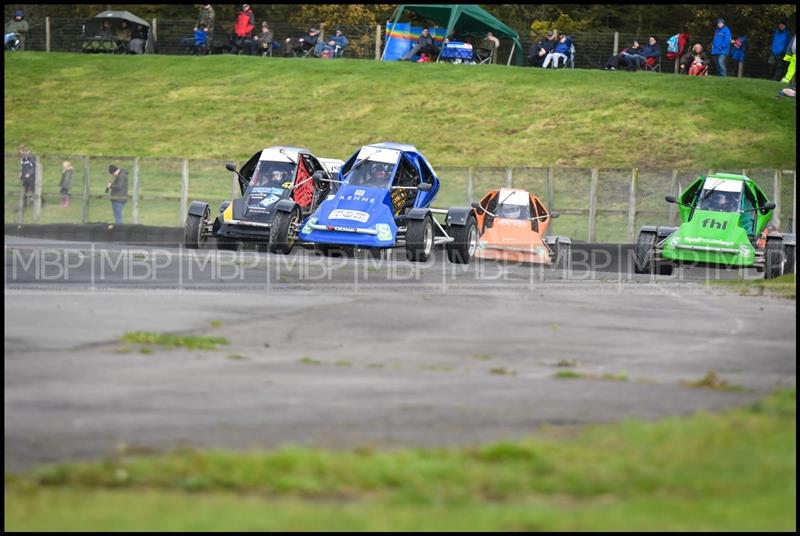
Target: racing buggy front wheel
{"points": [[194, 232], [465, 241], [773, 257], [645, 244], [283, 232], [419, 239]]}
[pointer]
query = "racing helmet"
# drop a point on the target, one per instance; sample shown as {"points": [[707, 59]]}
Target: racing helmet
{"points": [[511, 212]]}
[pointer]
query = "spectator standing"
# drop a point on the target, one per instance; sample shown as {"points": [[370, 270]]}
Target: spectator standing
{"points": [[791, 57], [206, 18], [118, 191], [721, 46], [243, 29], [263, 41], [138, 40], [27, 172], [781, 38], [66, 182], [424, 45], [18, 26], [540, 50]]}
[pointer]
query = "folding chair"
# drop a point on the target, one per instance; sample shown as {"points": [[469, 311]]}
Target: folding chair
{"points": [[653, 64], [483, 55]]}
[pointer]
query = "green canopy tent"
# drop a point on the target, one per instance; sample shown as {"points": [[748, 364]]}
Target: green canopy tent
{"points": [[467, 19]]}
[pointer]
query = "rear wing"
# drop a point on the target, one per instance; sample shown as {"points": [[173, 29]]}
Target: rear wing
{"points": [[331, 165]]}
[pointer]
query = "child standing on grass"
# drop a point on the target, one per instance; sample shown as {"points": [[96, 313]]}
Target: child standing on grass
{"points": [[66, 182]]}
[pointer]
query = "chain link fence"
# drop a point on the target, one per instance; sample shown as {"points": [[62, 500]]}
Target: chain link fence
{"points": [[596, 204], [174, 36]]}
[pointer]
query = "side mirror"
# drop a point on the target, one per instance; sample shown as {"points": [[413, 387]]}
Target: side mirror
{"points": [[477, 206], [670, 199], [554, 214], [230, 166], [318, 176], [768, 206], [424, 187]]}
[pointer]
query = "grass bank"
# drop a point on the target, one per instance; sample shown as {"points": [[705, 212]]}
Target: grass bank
{"points": [[226, 107], [730, 471]]}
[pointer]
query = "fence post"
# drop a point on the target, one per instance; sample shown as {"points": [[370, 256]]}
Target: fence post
{"points": [[632, 203], [85, 200], [37, 191], [153, 29], [135, 200], [548, 193], [677, 63], [776, 214], [673, 208], [377, 42], [21, 205], [616, 43], [509, 177], [469, 185], [593, 204], [47, 34], [740, 73], [184, 190]]}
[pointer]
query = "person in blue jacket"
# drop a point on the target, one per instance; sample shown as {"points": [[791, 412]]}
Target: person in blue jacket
{"points": [[721, 46], [780, 40]]}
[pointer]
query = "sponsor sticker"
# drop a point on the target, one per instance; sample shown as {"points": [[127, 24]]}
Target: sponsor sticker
{"points": [[268, 200], [345, 214], [343, 229], [384, 231], [359, 193], [307, 226]]}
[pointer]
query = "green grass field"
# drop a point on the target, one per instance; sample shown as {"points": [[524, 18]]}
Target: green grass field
{"points": [[730, 471], [225, 106]]}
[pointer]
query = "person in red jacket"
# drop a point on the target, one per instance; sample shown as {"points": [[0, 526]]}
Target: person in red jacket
{"points": [[243, 29]]}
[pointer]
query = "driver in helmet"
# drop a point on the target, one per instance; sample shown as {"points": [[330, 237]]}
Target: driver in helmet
{"points": [[509, 211], [721, 202], [377, 176]]}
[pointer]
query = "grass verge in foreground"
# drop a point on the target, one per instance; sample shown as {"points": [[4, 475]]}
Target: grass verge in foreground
{"points": [[784, 286], [730, 471]]}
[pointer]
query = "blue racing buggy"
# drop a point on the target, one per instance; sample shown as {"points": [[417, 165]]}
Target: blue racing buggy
{"points": [[384, 201]]}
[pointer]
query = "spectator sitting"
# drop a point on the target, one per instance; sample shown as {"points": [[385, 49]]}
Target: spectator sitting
{"points": [[651, 50], [264, 40], [488, 47], [614, 61], [541, 49], [138, 40], [780, 40], [123, 33], [424, 45], [105, 29], [695, 62], [560, 52], [19, 27], [302, 45], [333, 48], [200, 40]]}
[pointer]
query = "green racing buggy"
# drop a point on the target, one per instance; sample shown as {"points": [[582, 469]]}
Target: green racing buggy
{"points": [[724, 217]]}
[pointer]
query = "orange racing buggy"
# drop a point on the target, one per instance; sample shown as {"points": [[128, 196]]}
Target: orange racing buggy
{"points": [[512, 224]]}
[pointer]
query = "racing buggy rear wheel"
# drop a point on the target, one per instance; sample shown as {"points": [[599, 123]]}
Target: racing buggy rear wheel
{"points": [[773, 257], [283, 232], [194, 232], [465, 241], [419, 239], [645, 245]]}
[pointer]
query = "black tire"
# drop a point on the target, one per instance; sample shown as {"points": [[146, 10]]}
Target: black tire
{"points": [[227, 243], [419, 239], [645, 244], [773, 258], [194, 234], [788, 251], [284, 224], [465, 241]]}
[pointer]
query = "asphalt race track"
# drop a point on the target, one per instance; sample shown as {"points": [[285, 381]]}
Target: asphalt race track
{"points": [[358, 352]]}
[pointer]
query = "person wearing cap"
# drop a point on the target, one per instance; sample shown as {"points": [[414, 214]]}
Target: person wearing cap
{"points": [[118, 191], [263, 42], [333, 47], [18, 26], [301, 45], [206, 19], [781, 37], [243, 30], [721, 46], [542, 48]]}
